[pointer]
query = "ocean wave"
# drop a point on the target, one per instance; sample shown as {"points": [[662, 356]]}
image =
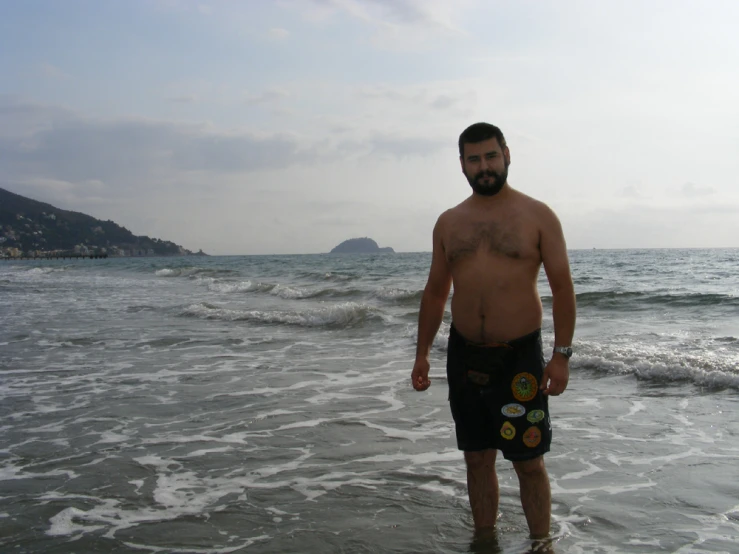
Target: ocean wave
{"points": [[192, 272], [709, 371], [141, 308], [634, 300], [348, 314], [43, 270], [288, 292], [327, 276], [299, 293], [237, 286], [400, 296]]}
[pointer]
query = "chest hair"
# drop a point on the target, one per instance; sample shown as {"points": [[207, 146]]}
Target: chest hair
{"points": [[487, 236]]}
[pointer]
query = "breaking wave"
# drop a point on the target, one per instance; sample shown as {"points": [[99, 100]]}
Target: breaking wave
{"points": [[346, 315]]}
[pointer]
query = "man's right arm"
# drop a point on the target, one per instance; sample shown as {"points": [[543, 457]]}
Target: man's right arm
{"points": [[431, 313]]}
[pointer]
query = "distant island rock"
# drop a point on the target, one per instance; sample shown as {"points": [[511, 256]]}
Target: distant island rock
{"points": [[360, 246], [34, 229]]}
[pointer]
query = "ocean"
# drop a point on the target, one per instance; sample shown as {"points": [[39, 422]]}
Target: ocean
{"points": [[263, 404]]}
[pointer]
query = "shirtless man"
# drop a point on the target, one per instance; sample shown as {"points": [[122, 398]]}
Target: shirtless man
{"points": [[491, 247]]}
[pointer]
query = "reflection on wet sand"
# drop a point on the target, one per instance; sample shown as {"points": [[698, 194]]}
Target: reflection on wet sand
{"points": [[486, 542]]}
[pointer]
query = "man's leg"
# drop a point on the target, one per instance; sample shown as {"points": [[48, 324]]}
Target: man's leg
{"points": [[536, 496], [482, 487]]}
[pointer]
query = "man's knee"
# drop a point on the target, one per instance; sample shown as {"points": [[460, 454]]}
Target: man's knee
{"points": [[530, 468], [480, 460]]}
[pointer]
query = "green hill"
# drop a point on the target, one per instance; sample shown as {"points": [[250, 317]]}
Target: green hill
{"points": [[35, 227]]}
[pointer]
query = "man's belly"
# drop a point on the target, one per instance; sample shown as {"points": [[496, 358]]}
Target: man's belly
{"points": [[487, 318]]}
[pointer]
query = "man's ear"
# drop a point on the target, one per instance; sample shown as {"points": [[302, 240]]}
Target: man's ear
{"points": [[461, 162], [507, 156]]}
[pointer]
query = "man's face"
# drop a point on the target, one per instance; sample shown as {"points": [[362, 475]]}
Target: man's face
{"points": [[485, 165]]}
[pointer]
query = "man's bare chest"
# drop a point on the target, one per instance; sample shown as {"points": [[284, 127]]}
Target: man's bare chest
{"points": [[513, 240]]}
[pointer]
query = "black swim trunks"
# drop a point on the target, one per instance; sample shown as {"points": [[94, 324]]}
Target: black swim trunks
{"points": [[495, 398]]}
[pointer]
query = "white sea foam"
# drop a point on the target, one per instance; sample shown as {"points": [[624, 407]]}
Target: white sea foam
{"points": [[289, 293], [238, 547], [707, 371], [229, 287], [395, 294], [436, 487], [343, 315]]}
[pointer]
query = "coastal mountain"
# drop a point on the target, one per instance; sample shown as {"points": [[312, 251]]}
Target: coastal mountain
{"points": [[360, 246], [32, 228]]}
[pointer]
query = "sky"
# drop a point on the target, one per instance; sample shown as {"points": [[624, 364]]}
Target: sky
{"points": [[288, 126]]}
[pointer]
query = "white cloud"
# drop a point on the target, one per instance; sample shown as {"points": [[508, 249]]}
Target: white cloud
{"points": [[691, 190], [439, 14], [183, 99], [53, 72], [278, 33], [268, 96], [631, 191]]}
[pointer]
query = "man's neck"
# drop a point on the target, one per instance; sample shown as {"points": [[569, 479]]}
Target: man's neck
{"points": [[493, 199]]}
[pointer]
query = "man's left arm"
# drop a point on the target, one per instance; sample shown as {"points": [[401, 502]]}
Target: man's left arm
{"points": [[557, 267]]}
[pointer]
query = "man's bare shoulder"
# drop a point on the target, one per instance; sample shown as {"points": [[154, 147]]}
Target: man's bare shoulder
{"points": [[536, 207], [448, 216]]}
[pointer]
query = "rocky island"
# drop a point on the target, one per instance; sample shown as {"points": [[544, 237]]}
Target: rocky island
{"points": [[360, 246]]}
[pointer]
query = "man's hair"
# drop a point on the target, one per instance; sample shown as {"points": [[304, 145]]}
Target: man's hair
{"points": [[479, 132]]}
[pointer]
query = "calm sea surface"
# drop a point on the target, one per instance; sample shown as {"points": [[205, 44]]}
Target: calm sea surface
{"points": [[263, 404]]}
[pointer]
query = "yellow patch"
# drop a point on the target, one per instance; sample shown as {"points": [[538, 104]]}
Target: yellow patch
{"points": [[508, 431]]}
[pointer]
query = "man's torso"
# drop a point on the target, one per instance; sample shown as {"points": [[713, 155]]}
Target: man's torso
{"points": [[494, 258]]}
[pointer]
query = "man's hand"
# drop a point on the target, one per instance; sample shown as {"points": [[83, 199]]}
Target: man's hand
{"points": [[556, 376], [420, 374]]}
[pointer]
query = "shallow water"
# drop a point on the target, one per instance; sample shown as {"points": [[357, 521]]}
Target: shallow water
{"points": [[263, 404]]}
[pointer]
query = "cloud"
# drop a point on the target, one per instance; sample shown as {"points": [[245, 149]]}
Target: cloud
{"points": [[384, 13], [43, 145], [184, 99], [40, 142], [454, 98], [444, 102], [268, 96], [404, 146], [691, 190], [630, 191], [278, 33], [53, 72]]}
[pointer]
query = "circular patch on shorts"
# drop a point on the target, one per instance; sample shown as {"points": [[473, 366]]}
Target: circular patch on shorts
{"points": [[535, 416], [508, 431], [513, 410], [524, 387], [532, 437]]}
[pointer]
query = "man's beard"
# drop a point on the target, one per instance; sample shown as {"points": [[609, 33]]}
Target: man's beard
{"points": [[488, 189]]}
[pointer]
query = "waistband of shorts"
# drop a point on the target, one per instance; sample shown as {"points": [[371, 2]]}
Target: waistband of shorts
{"points": [[513, 343]]}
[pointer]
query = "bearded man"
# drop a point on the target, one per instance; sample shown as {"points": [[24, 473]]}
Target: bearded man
{"points": [[491, 247]]}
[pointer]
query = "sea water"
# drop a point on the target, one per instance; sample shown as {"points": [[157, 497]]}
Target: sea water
{"points": [[263, 404]]}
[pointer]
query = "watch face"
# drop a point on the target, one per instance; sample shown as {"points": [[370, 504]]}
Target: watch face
{"points": [[565, 350]]}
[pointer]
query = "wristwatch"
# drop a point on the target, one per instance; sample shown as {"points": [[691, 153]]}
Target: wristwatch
{"points": [[566, 351]]}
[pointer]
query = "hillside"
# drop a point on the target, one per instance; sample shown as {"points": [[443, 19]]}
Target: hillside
{"points": [[359, 246], [36, 228]]}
